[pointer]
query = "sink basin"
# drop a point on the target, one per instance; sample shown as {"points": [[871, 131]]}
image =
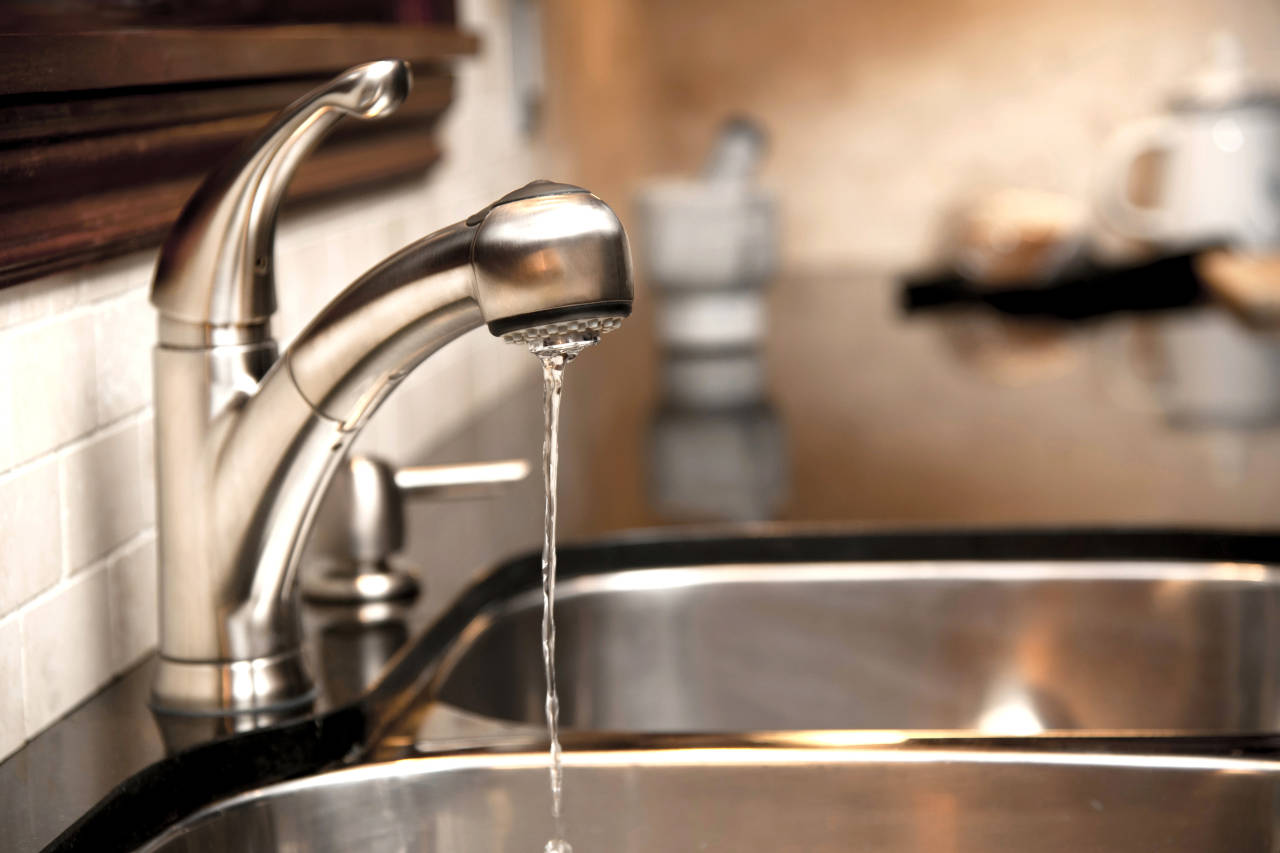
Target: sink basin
{"points": [[992, 647], [777, 799]]}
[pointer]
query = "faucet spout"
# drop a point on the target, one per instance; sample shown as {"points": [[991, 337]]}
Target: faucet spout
{"points": [[543, 258], [246, 441]]}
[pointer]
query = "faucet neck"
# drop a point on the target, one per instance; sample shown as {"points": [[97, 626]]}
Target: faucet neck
{"points": [[240, 454], [247, 444], [215, 269]]}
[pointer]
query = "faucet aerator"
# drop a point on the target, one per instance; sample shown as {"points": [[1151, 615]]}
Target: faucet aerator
{"points": [[568, 334]]}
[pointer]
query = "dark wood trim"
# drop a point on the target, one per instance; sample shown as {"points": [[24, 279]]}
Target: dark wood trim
{"points": [[33, 174], [105, 135], [62, 235], [61, 115], [72, 62]]}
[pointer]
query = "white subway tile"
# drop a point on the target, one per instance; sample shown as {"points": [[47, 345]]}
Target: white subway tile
{"points": [[147, 466], [432, 402], [52, 393], [315, 224], [404, 227], [123, 334], [66, 641], [352, 251], [134, 607], [13, 730], [30, 541], [8, 452], [305, 281], [497, 368], [35, 300], [119, 275], [101, 494]]}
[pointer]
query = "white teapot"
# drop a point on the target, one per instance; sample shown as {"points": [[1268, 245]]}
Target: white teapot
{"points": [[1218, 174]]}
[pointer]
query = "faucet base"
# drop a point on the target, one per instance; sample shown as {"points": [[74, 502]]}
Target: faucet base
{"points": [[219, 688]]}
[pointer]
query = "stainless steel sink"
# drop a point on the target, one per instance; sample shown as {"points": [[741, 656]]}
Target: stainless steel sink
{"points": [[731, 798], [996, 648]]}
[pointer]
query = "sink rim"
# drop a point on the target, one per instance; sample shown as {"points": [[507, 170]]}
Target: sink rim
{"points": [[754, 750], [639, 579], [379, 714], [620, 750]]}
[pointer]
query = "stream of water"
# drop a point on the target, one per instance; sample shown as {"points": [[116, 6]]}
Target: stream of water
{"points": [[554, 358]]}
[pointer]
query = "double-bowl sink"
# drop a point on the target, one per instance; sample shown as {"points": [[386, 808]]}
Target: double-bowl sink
{"points": [[969, 692]]}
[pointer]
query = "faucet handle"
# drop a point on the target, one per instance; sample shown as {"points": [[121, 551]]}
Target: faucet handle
{"points": [[464, 480], [216, 266]]}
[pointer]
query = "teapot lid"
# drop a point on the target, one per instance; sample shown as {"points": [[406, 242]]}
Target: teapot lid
{"points": [[1223, 81]]}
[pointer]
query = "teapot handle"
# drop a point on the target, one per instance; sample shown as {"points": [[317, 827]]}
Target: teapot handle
{"points": [[1115, 208]]}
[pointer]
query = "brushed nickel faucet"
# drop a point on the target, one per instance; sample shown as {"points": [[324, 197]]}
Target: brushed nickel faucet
{"points": [[247, 438]]}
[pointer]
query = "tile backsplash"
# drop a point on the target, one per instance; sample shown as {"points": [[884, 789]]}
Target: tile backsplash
{"points": [[77, 505]]}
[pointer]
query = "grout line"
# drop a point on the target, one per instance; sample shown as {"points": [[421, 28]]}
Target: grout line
{"points": [[115, 667], [64, 523], [112, 671], [67, 570], [139, 539], [137, 416], [23, 680], [23, 734], [75, 311], [111, 625], [151, 257], [111, 301]]}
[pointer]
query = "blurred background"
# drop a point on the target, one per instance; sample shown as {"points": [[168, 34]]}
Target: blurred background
{"points": [[772, 370]]}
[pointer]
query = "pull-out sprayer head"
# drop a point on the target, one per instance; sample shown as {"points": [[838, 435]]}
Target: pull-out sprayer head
{"points": [[551, 266], [547, 264]]}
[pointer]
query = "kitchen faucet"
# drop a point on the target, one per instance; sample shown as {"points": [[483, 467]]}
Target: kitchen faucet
{"points": [[248, 438]]}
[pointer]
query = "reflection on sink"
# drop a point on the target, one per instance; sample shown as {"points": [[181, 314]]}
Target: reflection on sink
{"points": [[1007, 648], [813, 799]]}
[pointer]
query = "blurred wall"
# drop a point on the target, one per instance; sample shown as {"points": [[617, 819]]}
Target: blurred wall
{"points": [[881, 113], [882, 116]]}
